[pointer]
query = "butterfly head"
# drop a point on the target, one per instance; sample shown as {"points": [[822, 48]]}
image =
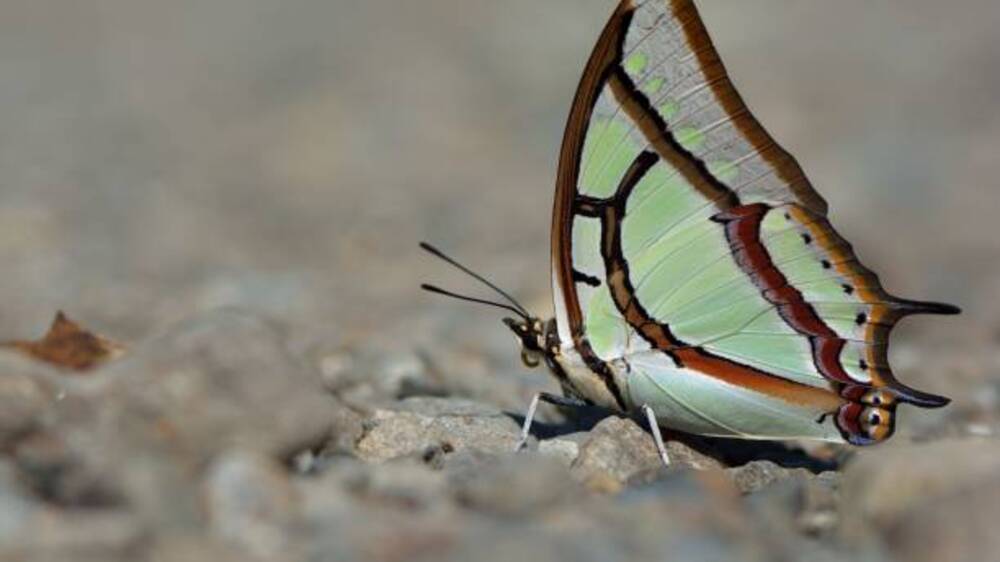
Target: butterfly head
{"points": [[530, 334], [538, 339]]}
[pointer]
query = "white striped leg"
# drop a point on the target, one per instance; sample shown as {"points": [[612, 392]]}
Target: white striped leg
{"points": [[654, 426], [529, 417]]}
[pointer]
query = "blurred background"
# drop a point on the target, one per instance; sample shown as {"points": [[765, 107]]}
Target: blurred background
{"points": [[160, 158]]}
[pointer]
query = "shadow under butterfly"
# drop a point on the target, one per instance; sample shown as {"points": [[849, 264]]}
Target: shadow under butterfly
{"points": [[695, 276]]}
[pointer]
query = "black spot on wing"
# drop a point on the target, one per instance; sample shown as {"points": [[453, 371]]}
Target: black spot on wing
{"points": [[590, 280]]}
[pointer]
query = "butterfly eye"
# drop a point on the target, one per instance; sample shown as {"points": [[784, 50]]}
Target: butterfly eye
{"points": [[518, 341]]}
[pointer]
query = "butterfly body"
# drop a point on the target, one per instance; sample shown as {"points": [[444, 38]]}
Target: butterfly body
{"points": [[695, 274]]}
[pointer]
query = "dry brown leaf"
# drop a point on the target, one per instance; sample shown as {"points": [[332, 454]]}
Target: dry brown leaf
{"points": [[69, 346]]}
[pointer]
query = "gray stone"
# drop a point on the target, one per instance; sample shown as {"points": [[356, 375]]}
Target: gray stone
{"points": [[448, 407], [406, 482], [615, 450], [796, 499], [525, 484], [466, 460], [682, 515], [147, 425], [24, 396], [16, 505], [683, 456], [757, 475], [371, 376], [223, 379], [534, 543], [475, 376], [88, 535], [56, 471], [817, 510], [346, 430], [345, 518], [32, 530], [194, 548], [419, 424], [911, 496], [565, 448], [618, 450], [701, 515], [251, 504], [960, 527]]}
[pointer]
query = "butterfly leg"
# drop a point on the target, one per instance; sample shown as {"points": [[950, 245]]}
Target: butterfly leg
{"points": [[654, 426], [529, 417]]}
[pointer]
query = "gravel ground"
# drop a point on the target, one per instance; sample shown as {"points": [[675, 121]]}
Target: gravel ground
{"points": [[234, 191]]}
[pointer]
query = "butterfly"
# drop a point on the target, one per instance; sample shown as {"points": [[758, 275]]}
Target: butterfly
{"points": [[696, 279]]}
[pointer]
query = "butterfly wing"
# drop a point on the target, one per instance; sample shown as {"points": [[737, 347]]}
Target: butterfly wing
{"points": [[687, 243]]}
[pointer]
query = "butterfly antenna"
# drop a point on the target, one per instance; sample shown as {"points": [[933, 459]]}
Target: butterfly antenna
{"points": [[440, 291], [438, 253]]}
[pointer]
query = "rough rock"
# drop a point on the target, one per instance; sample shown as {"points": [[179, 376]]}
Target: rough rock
{"points": [[910, 495], [408, 483], [758, 475], [24, 396], [681, 455], [17, 506], [682, 515], [194, 548], [932, 533], [418, 424], [617, 450], [799, 500], [32, 530], [143, 428], [565, 448], [223, 379], [372, 376], [250, 503], [471, 375], [346, 430], [346, 516], [525, 484]]}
